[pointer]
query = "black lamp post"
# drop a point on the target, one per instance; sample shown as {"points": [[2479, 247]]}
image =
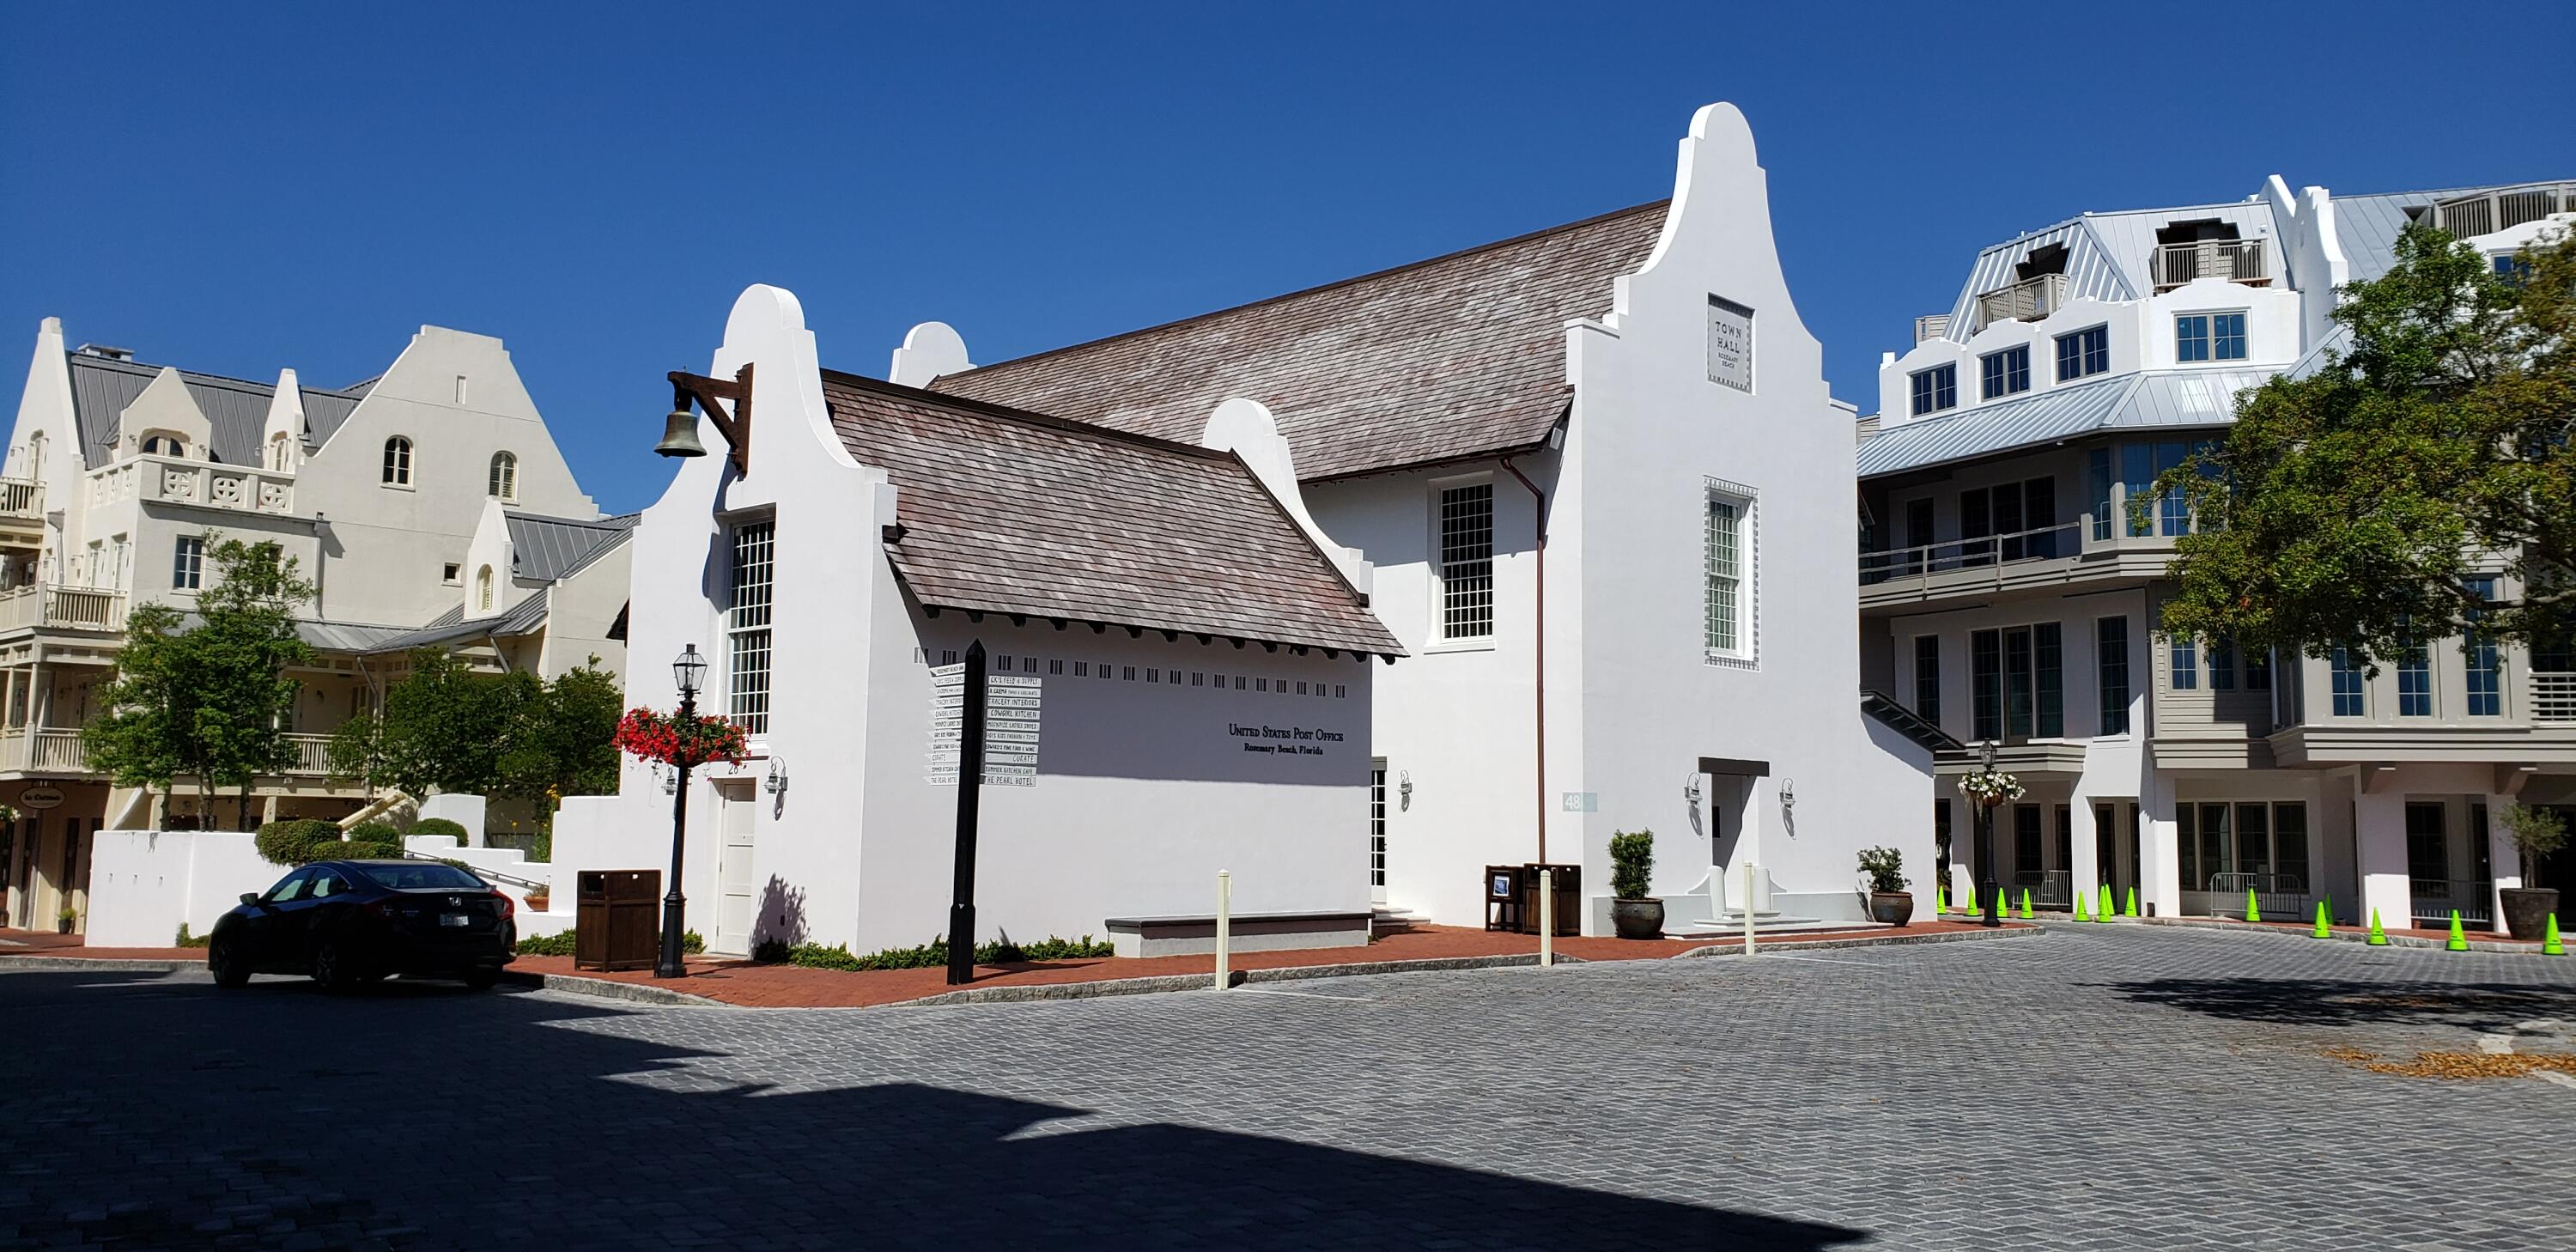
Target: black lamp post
{"points": [[1990, 891], [687, 670]]}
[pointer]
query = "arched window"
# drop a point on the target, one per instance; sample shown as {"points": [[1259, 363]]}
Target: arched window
{"points": [[505, 476], [483, 589], [158, 444], [277, 451], [398, 462]]}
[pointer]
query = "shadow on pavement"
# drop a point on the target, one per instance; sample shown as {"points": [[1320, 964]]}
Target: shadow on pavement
{"points": [[156, 1112], [2335, 1002]]}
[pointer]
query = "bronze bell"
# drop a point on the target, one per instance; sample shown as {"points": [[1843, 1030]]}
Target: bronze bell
{"points": [[680, 435]]}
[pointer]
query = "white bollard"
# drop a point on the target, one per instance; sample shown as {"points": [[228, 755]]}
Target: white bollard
{"points": [[1224, 926], [1547, 917], [1748, 908]]}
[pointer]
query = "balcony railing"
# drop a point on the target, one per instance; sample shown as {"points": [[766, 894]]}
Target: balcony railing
{"points": [[1924, 561], [2026, 301], [2236, 260], [2436, 898], [67, 608], [2503, 210], [1931, 326], [52, 750], [178, 480], [2553, 698], [20, 498]]}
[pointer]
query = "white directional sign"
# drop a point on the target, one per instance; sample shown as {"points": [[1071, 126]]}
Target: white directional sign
{"points": [[1012, 704]]}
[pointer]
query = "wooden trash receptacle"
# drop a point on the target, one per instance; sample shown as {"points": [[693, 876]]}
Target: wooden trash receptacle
{"points": [[1505, 895], [615, 920], [1565, 882]]}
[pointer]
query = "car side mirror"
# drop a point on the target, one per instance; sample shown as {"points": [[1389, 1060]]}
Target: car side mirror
{"points": [[250, 898]]}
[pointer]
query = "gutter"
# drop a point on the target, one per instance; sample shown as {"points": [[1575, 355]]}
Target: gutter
{"points": [[1538, 529]]}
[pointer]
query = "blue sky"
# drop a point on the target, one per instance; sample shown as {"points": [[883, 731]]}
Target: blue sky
{"points": [[236, 189]]}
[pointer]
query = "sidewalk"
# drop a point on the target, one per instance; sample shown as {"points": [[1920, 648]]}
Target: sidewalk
{"points": [[747, 984]]}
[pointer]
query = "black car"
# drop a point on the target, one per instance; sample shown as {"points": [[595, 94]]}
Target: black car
{"points": [[348, 922]]}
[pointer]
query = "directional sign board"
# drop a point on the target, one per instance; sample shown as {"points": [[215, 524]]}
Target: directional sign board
{"points": [[1012, 704]]}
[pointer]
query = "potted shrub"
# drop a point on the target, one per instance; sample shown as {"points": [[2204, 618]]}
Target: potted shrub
{"points": [[1889, 901], [69, 918], [1633, 913], [2537, 833]]}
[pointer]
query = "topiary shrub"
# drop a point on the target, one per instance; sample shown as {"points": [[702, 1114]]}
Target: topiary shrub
{"points": [[297, 841], [376, 832], [1632, 864], [440, 826]]}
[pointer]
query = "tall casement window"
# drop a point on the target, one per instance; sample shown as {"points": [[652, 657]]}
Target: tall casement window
{"points": [[1927, 678], [397, 462], [2083, 353], [279, 455], [747, 626], [2004, 373], [2012, 511], [2350, 699], [2209, 337], [2111, 671], [504, 481], [2478, 649], [2097, 477], [1467, 562], [2222, 664], [1936, 389], [2428, 843], [1726, 561], [2026, 839], [1377, 825], [188, 564], [2032, 697], [1986, 684], [2184, 658], [2415, 682]]}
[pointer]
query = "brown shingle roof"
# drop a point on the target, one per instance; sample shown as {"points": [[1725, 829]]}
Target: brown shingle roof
{"points": [[1011, 512], [1454, 357]]}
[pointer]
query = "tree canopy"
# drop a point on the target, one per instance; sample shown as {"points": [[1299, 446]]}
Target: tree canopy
{"points": [[446, 728], [2348, 509]]}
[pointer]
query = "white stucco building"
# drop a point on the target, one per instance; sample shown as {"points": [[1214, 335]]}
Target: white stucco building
{"points": [[1201, 668], [2007, 595], [1605, 493], [427, 505]]}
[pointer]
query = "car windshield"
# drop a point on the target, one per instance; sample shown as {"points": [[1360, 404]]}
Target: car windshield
{"points": [[433, 875]]}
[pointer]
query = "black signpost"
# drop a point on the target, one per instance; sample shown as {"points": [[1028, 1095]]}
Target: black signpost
{"points": [[970, 786]]}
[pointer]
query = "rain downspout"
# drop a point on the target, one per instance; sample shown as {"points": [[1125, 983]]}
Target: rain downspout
{"points": [[1538, 532]]}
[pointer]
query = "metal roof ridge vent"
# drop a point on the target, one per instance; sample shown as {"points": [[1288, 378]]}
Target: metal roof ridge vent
{"points": [[106, 351]]}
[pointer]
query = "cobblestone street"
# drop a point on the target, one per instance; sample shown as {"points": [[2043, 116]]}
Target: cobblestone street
{"points": [[2107, 1087]]}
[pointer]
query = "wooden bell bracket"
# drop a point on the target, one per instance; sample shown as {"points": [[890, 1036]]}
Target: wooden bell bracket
{"points": [[712, 395]]}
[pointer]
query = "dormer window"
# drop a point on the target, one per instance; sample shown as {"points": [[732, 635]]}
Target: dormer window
{"points": [[1936, 389], [504, 481], [397, 462], [2004, 373], [157, 444]]}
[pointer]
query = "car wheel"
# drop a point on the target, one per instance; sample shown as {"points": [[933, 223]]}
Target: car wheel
{"points": [[333, 968], [482, 979], [224, 962]]}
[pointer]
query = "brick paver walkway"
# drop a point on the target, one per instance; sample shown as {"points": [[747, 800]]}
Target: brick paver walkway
{"points": [[2106, 1087]]}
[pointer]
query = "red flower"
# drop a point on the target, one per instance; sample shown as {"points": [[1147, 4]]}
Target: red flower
{"points": [[672, 740]]}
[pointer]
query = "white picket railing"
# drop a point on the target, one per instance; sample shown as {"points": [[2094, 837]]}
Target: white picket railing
{"points": [[76, 608], [20, 498], [2553, 698], [2236, 260]]}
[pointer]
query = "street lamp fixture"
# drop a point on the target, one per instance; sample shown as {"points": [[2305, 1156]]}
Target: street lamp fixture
{"points": [[686, 670], [1989, 891]]}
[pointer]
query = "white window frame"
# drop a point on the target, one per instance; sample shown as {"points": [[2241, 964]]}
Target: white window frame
{"points": [[1442, 577], [750, 641], [502, 480], [188, 563], [395, 470], [483, 589], [2213, 360], [1745, 651]]}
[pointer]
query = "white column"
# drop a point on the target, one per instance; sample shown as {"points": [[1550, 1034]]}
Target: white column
{"points": [[2503, 862], [2159, 847], [2379, 852], [2084, 851]]}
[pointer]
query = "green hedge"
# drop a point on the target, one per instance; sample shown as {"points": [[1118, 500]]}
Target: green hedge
{"points": [[560, 943], [934, 954], [441, 826], [299, 841]]}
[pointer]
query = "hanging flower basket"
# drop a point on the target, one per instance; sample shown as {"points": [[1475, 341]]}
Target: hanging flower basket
{"points": [[676, 740], [1990, 787]]}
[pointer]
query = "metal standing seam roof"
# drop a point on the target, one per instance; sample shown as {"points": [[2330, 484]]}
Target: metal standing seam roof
{"points": [[236, 410], [2177, 398], [449, 627], [1447, 359], [1009, 512], [2106, 254], [546, 549], [2367, 225]]}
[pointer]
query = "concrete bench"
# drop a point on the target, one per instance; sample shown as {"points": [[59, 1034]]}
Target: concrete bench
{"points": [[1248, 932]]}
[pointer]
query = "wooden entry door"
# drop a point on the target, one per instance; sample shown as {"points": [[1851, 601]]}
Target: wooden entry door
{"points": [[735, 911]]}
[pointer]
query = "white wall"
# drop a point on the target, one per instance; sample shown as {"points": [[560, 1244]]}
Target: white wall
{"points": [[144, 884]]}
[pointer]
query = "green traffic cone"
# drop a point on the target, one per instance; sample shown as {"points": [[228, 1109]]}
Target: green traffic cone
{"points": [[2103, 914], [1940, 901], [2322, 931], [2550, 945], [2079, 908], [2459, 938], [2025, 904], [2378, 937], [2253, 911], [2132, 910]]}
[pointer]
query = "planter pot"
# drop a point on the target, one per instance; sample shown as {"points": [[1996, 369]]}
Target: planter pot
{"points": [[65, 923], [2527, 910], [1895, 908], [1638, 919]]}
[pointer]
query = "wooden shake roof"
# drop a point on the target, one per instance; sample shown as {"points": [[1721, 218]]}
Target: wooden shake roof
{"points": [[1456, 357], [1018, 513]]}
